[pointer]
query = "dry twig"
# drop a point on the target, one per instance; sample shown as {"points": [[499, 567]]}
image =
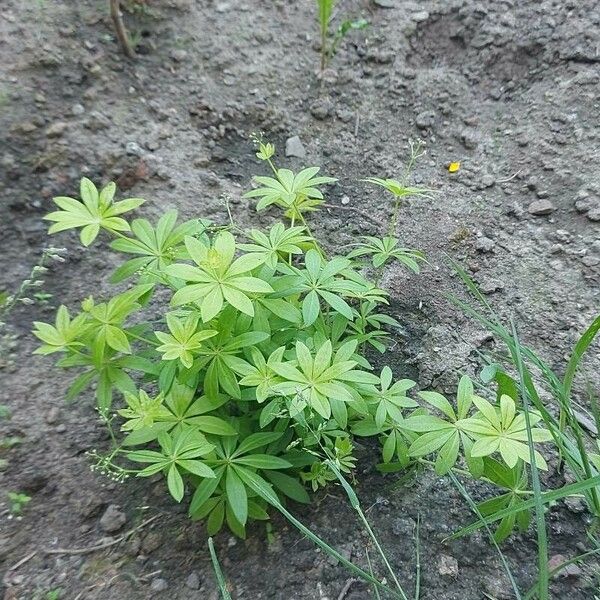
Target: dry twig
{"points": [[22, 561], [115, 13], [103, 545], [346, 588]]}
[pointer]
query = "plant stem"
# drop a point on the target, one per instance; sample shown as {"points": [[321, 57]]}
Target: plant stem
{"points": [[394, 221], [115, 13], [218, 573], [474, 508], [417, 559], [141, 339], [380, 550], [270, 163], [317, 245], [540, 517], [375, 589]]}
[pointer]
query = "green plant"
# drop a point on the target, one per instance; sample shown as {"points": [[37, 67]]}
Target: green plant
{"points": [[17, 501], [225, 595], [252, 381], [400, 189], [330, 42], [521, 374], [29, 292]]}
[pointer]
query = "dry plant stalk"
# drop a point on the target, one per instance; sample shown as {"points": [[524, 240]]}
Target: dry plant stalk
{"points": [[115, 13]]}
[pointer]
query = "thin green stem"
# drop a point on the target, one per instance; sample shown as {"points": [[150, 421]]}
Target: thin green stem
{"points": [[317, 245], [380, 550], [394, 221], [141, 339], [540, 517], [218, 572], [476, 510], [331, 551], [418, 558], [273, 168], [375, 589]]}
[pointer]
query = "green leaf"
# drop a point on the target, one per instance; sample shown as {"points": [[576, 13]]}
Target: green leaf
{"points": [[212, 304], [237, 498], [196, 467], [440, 403], [337, 303], [310, 308], [116, 338], [204, 491], [429, 442], [290, 486], [464, 396], [257, 440], [215, 519], [213, 425], [175, 483], [263, 461], [448, 455], [258, 485], [94, 212], [238, 300]]}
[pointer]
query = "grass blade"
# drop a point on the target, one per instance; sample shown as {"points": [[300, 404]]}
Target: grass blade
{"points": [[540, 517], [355, 502], [485, 524], [533, 590], [571, 449], [418, 558], [218, 573], [572, 489], [375, 588], [580, 348], [265, 492]]}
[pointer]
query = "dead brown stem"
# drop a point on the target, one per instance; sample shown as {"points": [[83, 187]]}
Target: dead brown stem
{"points": [[102, 545], [115, 13]]}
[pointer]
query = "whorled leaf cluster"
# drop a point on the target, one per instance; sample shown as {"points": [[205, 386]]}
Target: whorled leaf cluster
{"points": [[255, 374]]}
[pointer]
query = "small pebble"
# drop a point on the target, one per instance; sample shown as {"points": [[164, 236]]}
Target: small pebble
{"points": [[448, 566], [425, 119], [178, 55], [294, 147], [484, 244], [321, 108], [193, 581], [572, 570], [113, 519], [420, 17], [133, 149], [56, 129], [594, 214], [52, 415], [488, 180], [159, 585], [540, 208]]}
